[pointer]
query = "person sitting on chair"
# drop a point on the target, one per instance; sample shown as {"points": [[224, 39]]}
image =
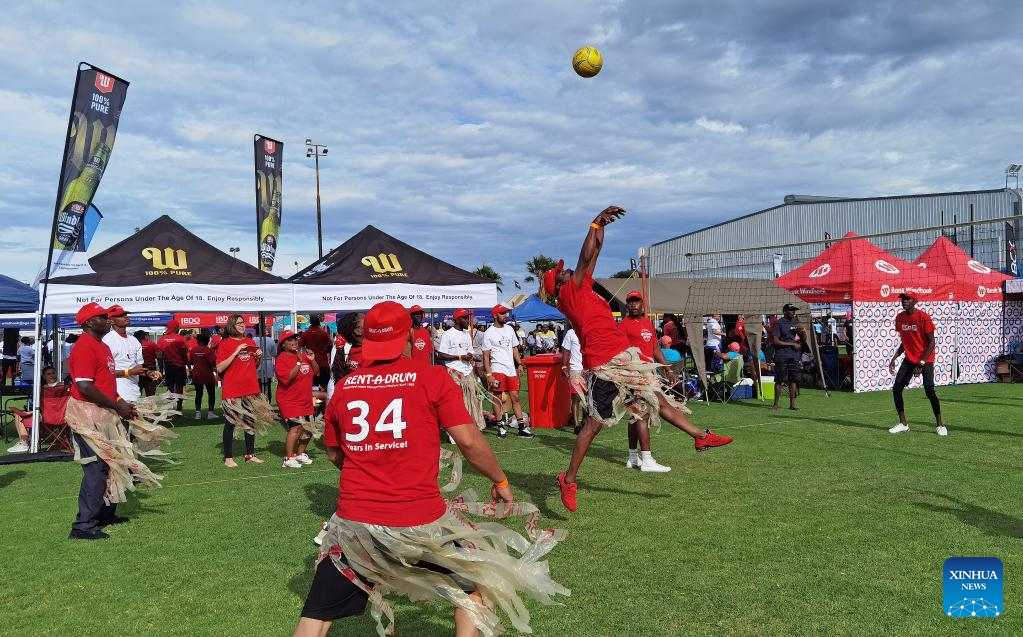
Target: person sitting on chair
{"points": [[23, 419]]}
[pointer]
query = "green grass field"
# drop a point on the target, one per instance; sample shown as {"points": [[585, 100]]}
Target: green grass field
{"points": [[811, 523]]}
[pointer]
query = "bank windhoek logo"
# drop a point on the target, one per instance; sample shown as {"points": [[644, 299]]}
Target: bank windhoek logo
{"points": [[383, 265], [884, 266], [167, 262]]}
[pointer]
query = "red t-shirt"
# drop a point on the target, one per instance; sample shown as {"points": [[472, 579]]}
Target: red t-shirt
{"points": [[641, 334], [599, 336], [202, 364], [294, 399], [240, 378], [317, 340], [385, 418], [173, 348], [422, 345], [92, 359], [671, 331], [214, 341], [149, 354], [913, 329]]}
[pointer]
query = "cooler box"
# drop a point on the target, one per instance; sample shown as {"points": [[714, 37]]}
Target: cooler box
{"points": [[549, 397]]}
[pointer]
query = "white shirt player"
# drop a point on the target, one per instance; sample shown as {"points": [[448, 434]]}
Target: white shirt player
{"points": [[575, 352], [127, 352], [457, 343], [499, 341]]}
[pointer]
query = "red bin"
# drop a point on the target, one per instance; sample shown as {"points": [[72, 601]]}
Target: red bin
{"points": [[549, 397]]}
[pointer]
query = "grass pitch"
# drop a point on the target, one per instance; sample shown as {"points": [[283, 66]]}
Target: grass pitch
{"points": [[815, 522]]}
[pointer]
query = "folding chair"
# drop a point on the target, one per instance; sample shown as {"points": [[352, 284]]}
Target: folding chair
{"points": [[722, 383], [55, 433]]}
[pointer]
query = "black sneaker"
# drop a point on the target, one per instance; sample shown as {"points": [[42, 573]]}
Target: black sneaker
{"points": [[524, 432], [87, 535], [116, 519]]}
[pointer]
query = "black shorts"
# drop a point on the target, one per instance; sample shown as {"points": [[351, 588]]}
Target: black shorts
{"points": [[174, 376], [333, 596], [322, 378], [602, 397], [291, 423], [905, 373], [787, 371]]}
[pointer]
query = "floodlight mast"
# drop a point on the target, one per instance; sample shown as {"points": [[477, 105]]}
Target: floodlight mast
{"points": [[1012, 172]]}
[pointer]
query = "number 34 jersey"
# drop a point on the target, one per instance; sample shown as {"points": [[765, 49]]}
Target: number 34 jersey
{"points": [[385, 419]]}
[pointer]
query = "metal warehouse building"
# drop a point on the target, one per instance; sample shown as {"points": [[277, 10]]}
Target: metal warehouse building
{"points": [[782, 237]]}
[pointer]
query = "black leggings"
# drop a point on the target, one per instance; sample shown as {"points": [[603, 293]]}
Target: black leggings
{"points": [[211, 391], [10, 365], [903, 378]]}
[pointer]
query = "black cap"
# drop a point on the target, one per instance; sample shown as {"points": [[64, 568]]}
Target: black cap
{"points": [[789, 306], [906, 296]]}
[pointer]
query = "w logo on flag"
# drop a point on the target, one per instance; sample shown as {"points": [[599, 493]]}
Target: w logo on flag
{"points": [[269, 146], [104, 83]]}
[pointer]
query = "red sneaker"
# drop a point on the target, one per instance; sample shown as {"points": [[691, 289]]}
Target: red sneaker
{"points": [[712, 440], [567, 492]]}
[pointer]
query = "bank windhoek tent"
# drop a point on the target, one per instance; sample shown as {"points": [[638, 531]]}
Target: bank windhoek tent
{"points": [[696, 298], [977, 312], [373, 266], [164, 267], [533, 309]]}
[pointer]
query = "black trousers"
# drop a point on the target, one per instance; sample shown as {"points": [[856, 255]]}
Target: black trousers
{"points": [[91, 509], [10, 365], [211, 392], [250, 440], [905, 375]]}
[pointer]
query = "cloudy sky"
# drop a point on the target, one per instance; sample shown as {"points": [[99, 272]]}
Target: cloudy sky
{"points": [[460, 127]]}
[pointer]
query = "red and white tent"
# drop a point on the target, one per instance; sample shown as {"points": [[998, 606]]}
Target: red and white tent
{"points": [[973, 281], [854, 269]]}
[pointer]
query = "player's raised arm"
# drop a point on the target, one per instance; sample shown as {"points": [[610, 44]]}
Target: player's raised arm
{"points": [[594, 242]]}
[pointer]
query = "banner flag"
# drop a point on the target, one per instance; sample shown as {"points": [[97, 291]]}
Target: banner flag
{"points": [[1010, 250], [269, 155], [73, 261], [95, 113]]}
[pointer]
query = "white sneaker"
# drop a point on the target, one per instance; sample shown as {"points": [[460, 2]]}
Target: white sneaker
{"points": [[198, 415], [633, 463], [210, 415], [304, 458], [19, 448], [942, 431], [899, 428], [292, 463], [653, 467]]}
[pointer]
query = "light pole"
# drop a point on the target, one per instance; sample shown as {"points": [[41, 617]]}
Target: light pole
{"points": [[234, 251], [317, 151]]}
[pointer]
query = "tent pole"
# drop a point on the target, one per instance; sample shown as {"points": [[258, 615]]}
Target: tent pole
{"points": [[816, 351]]}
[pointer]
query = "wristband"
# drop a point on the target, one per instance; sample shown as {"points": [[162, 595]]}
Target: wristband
{"points": [[502, 484], [595, 226], [119, 400]]}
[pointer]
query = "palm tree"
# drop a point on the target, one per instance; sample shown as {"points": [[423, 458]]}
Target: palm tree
{"points": [[488, 272], [536, 267]]}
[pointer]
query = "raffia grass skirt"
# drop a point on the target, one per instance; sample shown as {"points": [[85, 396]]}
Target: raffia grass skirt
{"points": [[639, 388], [473, 393], [249, 414], [105, 433], [501, 564]]}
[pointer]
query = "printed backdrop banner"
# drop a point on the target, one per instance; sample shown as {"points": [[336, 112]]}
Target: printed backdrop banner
{"points": [[95, 113], [191, 319], [63, 298], [269, 154], [319, 298]]}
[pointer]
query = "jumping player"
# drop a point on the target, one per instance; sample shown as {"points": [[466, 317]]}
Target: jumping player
{"points": [[916, 330], [393, 532], [619, 380]]}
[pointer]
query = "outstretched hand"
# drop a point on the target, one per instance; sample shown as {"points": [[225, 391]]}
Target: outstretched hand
{"points": [[609, 215]]}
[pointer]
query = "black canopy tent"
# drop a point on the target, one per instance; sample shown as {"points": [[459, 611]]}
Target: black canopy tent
{"points": [[373, 266], [165, 267]]}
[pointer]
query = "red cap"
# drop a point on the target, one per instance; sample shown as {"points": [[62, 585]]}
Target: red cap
{"points": [[550, 275], [286, 334], [385, 331], [90, 310], [461, 313], [633, 295], [499, 309], [116, 310], [172, 325], [733, 347], [415, 309]]}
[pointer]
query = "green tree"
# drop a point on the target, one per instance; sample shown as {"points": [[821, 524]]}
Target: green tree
{"points": [[536, 267], [488, 272], [623, 274]]}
